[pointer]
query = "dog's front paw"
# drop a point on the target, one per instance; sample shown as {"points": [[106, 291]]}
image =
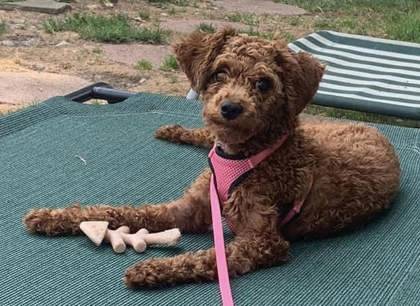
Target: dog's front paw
{"points": [[150, 273], [170, 132]]}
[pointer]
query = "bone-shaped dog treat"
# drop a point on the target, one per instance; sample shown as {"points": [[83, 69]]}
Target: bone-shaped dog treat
{"points": [[97, 231], [115, 237], [136, 240], [168, 237], [142, 238]]}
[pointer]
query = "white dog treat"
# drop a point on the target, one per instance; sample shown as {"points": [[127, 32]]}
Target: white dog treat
{"points": [[136, 240], [115, 238], [95, 230], [168, 237], [140, 240]]}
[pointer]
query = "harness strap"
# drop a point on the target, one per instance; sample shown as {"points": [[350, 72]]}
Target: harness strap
{"points": [[259, 157], [297, 205]]}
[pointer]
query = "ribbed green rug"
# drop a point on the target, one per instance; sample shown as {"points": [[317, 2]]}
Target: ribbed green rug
{"points": [[125, 164]]}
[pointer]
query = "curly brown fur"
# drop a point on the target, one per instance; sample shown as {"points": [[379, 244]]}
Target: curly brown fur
{"points": [[354, 169]]}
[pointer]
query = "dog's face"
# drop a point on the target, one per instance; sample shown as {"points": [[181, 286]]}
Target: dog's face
{"points": [[248, 85]]}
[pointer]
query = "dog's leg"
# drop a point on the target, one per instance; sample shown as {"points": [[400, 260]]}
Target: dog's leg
{"points": [[190, 213], [199, 137], [258, 243], [246, 253]]}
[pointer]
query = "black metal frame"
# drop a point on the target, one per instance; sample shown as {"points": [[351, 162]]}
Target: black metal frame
{"points": [[101, 91]]}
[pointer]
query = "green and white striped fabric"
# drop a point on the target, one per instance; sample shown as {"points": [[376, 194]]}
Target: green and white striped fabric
{"points": [[365, 73]]}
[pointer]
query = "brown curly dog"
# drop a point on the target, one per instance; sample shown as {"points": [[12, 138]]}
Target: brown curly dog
{"points": [[346, 173]]}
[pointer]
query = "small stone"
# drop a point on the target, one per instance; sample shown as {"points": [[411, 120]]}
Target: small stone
{"points": [[30, 42], [142, 81], [19, 26], [164, 14], [138, 19], [38, 67], [41, 6], [7, 43], [62, 44], [108, 4], [92, 6]]}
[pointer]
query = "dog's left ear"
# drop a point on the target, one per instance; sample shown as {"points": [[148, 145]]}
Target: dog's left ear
{"points": [[196, 52], [301, 75]]}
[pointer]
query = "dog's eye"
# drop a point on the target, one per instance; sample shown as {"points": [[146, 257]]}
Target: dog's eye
{"points": [[263, 85], [219, 76]]}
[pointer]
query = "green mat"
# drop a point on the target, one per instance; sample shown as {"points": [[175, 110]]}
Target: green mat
{"points": [[124, 163]]}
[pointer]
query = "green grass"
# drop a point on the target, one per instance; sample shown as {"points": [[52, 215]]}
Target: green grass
{"points": [[206, 27], [143, 65], [253, 32], [248, 19], [3, 28], [359, 116], [114, 28], [97, 50], [169, 63], [164, 3], [395, 19], [144, 14], [405, 27], [345, 5]]}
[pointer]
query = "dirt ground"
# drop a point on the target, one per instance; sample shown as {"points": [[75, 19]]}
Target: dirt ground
{"points": [[27, 47]]}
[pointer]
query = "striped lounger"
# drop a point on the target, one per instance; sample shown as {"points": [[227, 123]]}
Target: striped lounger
{"points": [[366, 74]]}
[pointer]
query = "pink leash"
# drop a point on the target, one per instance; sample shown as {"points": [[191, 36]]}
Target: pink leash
{"points": [[219, 246]]}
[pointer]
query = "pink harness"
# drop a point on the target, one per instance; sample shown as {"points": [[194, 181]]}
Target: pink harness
{"points": [[227, 172]]}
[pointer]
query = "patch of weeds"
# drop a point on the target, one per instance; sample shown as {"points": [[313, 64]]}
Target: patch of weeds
{"points": [[114, 28], [294, 21], [169, 63], [404, 27], [173, 79], [343, 5], [252, 32], [97, 50], [172, 11], [3, 28], [144, 14], [359, 116], [364, 23], [382, 18], [165, 3], [249, 19], [206, 27], [286, 36], [143, 65]]}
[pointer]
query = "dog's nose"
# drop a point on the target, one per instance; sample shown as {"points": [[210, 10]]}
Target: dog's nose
{"points": [[230, 110]]}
